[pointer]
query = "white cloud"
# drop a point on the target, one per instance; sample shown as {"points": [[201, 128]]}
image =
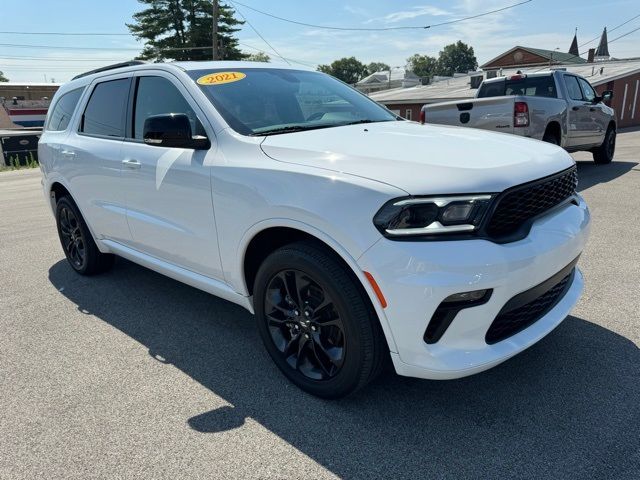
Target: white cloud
{"points": [[414, 12]]}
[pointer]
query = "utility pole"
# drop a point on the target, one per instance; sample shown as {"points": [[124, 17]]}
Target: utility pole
{"points": [[214, 45]]}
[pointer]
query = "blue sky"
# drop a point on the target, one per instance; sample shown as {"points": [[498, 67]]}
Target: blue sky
{"points": [[540, 23]]}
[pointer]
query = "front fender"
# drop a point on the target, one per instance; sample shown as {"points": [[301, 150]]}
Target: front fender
{"points": [[332, 243]]}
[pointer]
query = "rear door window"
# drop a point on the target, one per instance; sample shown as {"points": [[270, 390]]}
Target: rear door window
{"points": [[63, 110], [105, 114]]}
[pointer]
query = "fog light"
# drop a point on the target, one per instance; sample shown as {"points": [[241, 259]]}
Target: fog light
{"points": [[466, 296]]}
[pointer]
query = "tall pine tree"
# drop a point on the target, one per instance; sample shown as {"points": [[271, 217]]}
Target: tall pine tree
{"points": [[176, 24]]}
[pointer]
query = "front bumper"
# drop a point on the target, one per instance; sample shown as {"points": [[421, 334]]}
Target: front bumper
{"points": [[415, 277]]}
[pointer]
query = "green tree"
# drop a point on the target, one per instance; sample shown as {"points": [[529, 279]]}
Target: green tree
{"points": [[374, 67], [423, 66], [258, 57], [179, 24], [349, 70], [3, 78], [456, 58]]}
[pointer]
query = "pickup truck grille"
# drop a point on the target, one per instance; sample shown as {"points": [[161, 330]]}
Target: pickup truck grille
{"points": [[517, 206]]}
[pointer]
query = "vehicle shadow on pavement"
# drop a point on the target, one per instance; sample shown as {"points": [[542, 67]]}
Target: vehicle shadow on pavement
{"points": [[569, 407], [590, 174]]}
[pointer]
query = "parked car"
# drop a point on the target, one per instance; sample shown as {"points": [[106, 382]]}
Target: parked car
{"points": [[352, 235], [556, 107]]}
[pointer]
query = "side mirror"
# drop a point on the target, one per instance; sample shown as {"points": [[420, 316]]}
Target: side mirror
{"points": [[607, 95], [172, 130]]}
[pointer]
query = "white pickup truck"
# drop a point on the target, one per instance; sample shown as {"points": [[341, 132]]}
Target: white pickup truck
{"points": [[553, 106]]}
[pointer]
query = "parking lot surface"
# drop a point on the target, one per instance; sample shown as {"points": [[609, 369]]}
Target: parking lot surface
{"points": [[131, 374]]}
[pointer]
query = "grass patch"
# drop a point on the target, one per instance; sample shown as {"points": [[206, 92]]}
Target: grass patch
{"points": [[15, 164]]}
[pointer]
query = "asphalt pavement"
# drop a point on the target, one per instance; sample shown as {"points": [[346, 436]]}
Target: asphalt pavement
{"points": [[131, 374]]}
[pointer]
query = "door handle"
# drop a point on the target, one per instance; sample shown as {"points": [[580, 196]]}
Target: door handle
{"points": [[575, 109], [68, 153], [592, 109], [132, 164]]}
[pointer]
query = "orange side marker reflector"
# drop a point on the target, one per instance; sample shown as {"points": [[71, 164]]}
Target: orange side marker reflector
{"points": [[376, 289]]}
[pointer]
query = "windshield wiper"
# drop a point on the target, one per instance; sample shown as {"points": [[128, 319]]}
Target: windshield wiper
{"points": [[365, 120], [290, 129]]}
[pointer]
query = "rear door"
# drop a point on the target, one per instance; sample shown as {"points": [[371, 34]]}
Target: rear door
{"points": [[168, 190], [582, 129], [93, 158]]}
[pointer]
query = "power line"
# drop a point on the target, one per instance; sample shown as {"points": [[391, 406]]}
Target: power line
{"points": [[69, 34], [377, 29], [612, 30], [263, 39], [66, 59], [587, 51], [299, 62], [18, 45]]}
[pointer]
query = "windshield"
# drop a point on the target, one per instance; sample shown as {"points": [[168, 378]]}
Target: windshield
{"points": [[264, 101]]}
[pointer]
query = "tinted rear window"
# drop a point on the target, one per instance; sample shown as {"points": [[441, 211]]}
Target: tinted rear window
{"points": [[106, 111], [528, 86], [63, 110]]}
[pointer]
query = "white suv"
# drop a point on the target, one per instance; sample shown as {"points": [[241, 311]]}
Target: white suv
{"points": [[353, 235]]}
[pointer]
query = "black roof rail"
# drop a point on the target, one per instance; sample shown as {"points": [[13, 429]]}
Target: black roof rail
{"points": [[110, 67]]}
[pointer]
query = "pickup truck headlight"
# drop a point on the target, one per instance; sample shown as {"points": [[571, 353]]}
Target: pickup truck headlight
{"points": [[432, 215]]}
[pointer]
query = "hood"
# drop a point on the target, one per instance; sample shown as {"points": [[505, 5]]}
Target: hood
{"points": [[422, 159]]}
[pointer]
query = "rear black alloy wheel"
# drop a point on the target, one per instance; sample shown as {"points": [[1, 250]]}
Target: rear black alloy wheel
{"points": [[316, 321], [78, 244], [72, 238], [305, 325]]}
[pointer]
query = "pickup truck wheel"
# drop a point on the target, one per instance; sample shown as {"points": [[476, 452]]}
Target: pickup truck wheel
{"points": [[78, 244], [551, 137], [316, 322], [604, 153]]}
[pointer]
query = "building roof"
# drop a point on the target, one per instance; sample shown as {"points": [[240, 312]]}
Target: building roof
{"points": [[549, 55], [383, 76], [459, 88]]}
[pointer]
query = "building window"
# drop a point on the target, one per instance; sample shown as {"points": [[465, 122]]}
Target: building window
{"points": [[407, 114]]}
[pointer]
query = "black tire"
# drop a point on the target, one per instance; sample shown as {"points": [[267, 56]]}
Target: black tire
{"points": [[605, 152], [551, 137], [357, 346], [77, 243]]}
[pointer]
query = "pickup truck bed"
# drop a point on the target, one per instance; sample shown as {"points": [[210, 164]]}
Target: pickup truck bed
{"points": [[556, 107]]}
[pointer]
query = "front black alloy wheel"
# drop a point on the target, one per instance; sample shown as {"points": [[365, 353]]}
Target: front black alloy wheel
{"points": [[317, 322], [605, 152], [76, 240], [304, 324]]}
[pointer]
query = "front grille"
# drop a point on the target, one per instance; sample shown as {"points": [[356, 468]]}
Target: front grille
{"points": [[517, 206], [515, 316]]}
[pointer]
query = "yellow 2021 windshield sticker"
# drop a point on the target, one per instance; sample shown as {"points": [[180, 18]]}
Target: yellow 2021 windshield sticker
{"points": [[220, 78]]}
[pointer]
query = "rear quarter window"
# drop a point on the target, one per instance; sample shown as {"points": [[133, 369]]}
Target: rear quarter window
{"points": [[63, 109]]}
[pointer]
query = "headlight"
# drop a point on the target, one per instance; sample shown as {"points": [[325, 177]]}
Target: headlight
{"points": [[434, 215]]}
